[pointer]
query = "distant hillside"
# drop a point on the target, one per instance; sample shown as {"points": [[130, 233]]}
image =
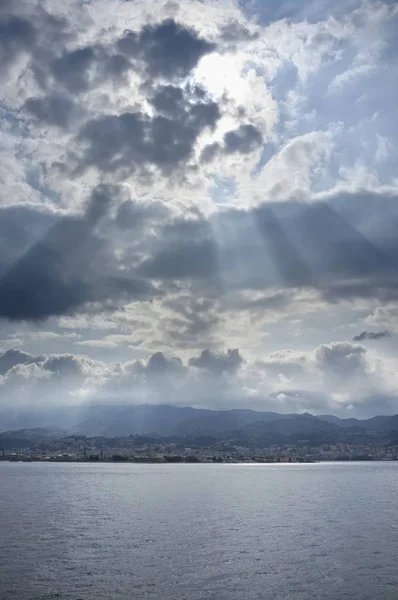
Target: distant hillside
{"points": [[164, 420], [186, 421], [295, 430], [378, 424], [23, 438]]}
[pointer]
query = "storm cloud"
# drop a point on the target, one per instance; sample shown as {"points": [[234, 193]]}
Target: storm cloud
{"points": [[371, 335], [67, 268]]}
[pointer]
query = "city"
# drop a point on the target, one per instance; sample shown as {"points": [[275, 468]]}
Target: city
{"points": [[139, 449]]}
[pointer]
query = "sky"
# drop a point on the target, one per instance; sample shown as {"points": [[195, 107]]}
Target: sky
{"points": [[199, 204]]}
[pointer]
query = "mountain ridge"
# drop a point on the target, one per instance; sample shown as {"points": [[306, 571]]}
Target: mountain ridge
{"points": [[182, 421]]}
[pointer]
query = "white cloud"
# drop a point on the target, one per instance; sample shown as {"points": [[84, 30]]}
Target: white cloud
{"points": [[330, 377], [291, 171], [385, 317]]}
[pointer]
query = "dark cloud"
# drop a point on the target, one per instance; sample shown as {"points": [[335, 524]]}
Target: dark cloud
{"points": [[292, 269], [81, 69], [243, 140], [168, 50], [17, 35], [54, 109], [184, 260], [341, 360], [21, 227], [54, 267], [72, 69], [99, 203], [133, 140], [217, 363], [30, 30], [69, 267], [369, 335], [61, 365], [133, 215], [159, 364], [209, 152], [67, 365], [169, 101], [11, 358], [185, 249], [55, 367], [330, 247]]}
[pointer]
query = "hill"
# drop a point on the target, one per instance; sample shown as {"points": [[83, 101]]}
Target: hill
{"points": [[24, 438], [185, 421]]}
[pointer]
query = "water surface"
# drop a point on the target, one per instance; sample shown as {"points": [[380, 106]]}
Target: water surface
{"points": [[198, 532]]}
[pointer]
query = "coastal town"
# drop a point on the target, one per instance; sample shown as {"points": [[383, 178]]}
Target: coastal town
{"points": [[139, 449]]}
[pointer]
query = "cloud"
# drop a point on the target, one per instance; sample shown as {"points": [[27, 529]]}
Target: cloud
{"points": [[323, 246], [69, 267], [27, 32], [217, 363], [16, 35], [287, 363], [158, 364], [133, 140], [323, 380], [72, 69], [169, 176], [243, 140], [56, 110], [70, 261], [154, 52], [168, 49], [133, 216], [341, 359], [184, 249], [11, 358], [384, 316], [68, 366], [369, 335]]}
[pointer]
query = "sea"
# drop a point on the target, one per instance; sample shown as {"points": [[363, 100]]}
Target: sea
{"points": [[81, 531]]}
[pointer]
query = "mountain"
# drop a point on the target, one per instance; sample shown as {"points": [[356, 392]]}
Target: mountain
{"points": [[377, 424], [298, 428], [183, 421], [126, 420], [187, 426], [219, 422], [24, 438], [167, 420]]}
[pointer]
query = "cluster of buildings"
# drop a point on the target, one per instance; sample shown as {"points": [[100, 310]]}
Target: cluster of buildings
{"points": [[134, 449]]}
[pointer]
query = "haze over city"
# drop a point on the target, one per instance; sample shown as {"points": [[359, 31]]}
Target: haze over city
{"points": [[199, 205]]}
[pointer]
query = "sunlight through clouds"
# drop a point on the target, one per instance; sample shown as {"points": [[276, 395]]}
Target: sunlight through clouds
{"points": [[208, 177]]}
